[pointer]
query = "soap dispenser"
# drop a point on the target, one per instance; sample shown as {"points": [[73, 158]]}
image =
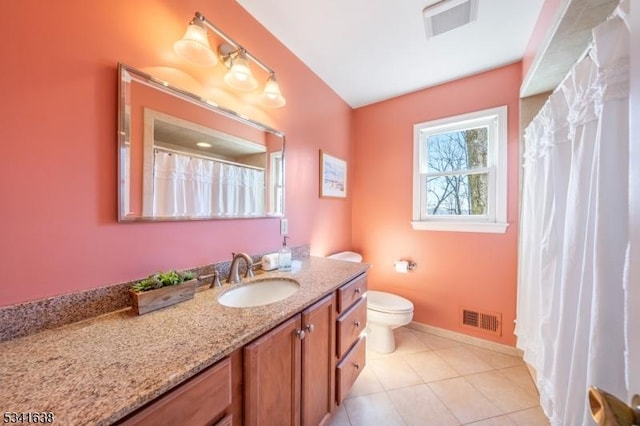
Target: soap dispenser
{"points": [[284, 257]]}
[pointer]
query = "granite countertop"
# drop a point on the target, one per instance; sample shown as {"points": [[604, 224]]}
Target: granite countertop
{"points": [[99, 370]]}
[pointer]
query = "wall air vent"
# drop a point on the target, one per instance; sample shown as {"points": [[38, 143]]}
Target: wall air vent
{"points": [[489, 322], [447, 15]]}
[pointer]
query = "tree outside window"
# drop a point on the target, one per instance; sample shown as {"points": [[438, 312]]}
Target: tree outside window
{"points": [[457, 175]]}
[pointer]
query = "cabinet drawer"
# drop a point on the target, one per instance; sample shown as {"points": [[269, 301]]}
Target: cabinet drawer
{"points": [[199, 401], [350, 292], [350, 325], [349, 368]]}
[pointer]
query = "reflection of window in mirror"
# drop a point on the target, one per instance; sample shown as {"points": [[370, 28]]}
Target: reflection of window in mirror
{"points": [[125, 166], [276, 181]]}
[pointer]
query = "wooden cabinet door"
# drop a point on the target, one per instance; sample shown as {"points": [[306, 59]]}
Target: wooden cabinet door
{"points": [[318, 362], [272, 368]]}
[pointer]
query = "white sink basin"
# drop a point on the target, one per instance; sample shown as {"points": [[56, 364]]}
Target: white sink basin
{"points": [[259, 292]]}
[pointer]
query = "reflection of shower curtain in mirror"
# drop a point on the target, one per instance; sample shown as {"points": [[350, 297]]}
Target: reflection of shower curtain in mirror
{"points": [[185, 186], [574, 231]]}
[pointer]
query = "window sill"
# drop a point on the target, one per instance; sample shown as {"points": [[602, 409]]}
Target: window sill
{"points": [[484, 227]]}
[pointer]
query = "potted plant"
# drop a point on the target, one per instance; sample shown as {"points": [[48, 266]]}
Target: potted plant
{"points": [[161, 290]]}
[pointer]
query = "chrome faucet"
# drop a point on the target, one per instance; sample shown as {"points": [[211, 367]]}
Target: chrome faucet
{"points": [[234, 274]]}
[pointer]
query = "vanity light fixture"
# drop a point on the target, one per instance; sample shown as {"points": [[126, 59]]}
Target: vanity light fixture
{"points": [[194, 47], [271, 95], [239, 75]]}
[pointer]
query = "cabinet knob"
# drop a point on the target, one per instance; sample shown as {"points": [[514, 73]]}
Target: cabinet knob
{"points": [[357, 290], [310, 328], [356, 365], [300, 334], [356, 323]]}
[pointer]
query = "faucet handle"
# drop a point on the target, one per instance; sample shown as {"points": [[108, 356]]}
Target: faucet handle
{"points": [[216, 279], [249, 273]]}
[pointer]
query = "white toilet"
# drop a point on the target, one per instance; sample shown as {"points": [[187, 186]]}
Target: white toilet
{"points": [[385, 311]]}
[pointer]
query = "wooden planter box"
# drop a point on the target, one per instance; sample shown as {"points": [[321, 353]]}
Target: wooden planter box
{"points": [[148, 301]]}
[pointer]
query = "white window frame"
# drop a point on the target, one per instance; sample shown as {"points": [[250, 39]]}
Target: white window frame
{"points": [[495, 221], [276, 183]]}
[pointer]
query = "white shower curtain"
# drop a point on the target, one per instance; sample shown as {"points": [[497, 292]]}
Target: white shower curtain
{"points": [[574, 231], [185, 186]]}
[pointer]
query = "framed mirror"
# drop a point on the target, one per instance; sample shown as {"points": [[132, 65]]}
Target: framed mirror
{"points": [[182, 158]]}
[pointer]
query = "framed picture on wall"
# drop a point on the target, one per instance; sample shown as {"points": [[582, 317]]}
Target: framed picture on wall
{"points": [[333, 176]]}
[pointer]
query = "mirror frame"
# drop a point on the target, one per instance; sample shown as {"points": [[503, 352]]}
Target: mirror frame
{"points": [[124, 133]]}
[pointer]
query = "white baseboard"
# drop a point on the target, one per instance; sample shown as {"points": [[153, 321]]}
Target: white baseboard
{"points": [[459, 337]]}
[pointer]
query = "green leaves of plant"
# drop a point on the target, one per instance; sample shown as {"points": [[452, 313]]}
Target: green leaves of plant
{"points": [[163, 279]]}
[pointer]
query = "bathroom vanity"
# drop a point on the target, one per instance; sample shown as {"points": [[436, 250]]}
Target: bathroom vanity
{"points": [[289, 374], [200, 362]]}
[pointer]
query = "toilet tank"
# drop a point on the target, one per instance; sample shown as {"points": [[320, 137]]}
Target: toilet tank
{"points": [[349, 256]]}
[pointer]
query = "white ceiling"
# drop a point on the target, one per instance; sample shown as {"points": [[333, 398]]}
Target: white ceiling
{"points": [[372, 50]]}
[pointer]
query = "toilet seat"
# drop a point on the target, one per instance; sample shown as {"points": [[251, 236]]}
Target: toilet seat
{"points": [[388, 303]]}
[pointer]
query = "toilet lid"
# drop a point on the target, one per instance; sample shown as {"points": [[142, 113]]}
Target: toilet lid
{"points": [[387, 302], [349, 256]]}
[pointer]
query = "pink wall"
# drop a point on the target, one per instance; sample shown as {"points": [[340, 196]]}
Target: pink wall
{"points": [[59, 94], [454, 268]]}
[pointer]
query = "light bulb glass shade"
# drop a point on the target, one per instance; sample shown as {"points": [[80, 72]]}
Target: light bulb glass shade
{"points": [[194, 46], [271, 95], [239, 75]]}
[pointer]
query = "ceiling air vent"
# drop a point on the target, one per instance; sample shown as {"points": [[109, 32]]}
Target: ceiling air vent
{"points": [[447, 15]]}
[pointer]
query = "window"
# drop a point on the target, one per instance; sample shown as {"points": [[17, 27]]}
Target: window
{"points": [[460, 173], [276, 184]]}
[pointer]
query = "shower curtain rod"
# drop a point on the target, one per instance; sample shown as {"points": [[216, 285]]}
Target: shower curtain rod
{"points": [[589, 48], [584, 54], [204, 157]]}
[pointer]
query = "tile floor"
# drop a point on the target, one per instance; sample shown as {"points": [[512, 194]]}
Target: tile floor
{"points": [[430, 380]]}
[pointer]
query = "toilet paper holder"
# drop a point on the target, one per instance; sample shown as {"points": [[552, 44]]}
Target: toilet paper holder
{"points": [[404, 265]]}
